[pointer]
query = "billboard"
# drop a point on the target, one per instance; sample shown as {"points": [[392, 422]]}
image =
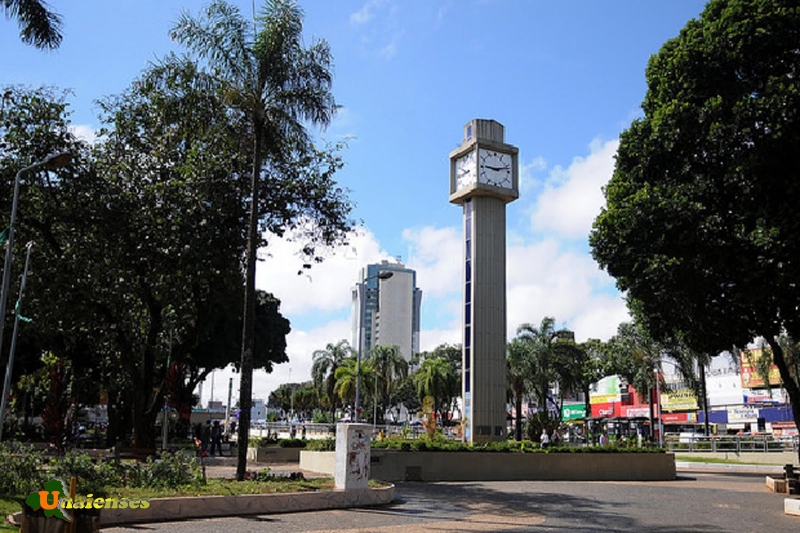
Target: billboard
{"points": [[679, 400], [605, 391], [751, 360]]}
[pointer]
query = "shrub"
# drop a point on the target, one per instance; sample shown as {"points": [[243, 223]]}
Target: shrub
{"points": [[171, 470], [292, 443], [321, 445], [91, 478], [20, 469]]}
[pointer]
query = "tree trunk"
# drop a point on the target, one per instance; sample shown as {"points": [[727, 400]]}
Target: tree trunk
{"points": [[518, 424], [249, 311], [705, 398], [792, 387]]}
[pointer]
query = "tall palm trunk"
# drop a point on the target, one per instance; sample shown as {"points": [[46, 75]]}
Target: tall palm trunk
{"points": [[249, 312]]}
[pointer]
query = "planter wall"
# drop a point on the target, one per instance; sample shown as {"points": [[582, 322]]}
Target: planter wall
{"points": [[273, 454], [322, 462], [167, 509], [391, 465]]}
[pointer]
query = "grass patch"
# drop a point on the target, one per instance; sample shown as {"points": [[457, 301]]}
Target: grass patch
{"points": [[8, 506], [225, 487]]}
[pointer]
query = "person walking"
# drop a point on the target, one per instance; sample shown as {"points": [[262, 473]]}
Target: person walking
{"points": [[555, 438], [216, 438], [544, 440]]}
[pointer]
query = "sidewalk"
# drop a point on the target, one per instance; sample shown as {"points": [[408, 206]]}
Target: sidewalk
{"points": [[719, 468]]}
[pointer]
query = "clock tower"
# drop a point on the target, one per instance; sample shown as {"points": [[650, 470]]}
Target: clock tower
{"points": [[484, 177]]}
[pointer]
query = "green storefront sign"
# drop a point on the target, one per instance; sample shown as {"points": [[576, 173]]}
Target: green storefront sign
{"points": [[572, 412]]}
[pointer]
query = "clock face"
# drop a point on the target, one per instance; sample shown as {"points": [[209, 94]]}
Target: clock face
{"points": [[466, 170], [494, 168]]}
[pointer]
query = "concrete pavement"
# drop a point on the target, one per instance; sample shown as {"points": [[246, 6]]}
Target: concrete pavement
{"points": [[695, 502]]}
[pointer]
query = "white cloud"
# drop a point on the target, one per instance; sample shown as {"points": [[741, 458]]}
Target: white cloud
{"points": [[366, 13], [572, 197], [543, 279], [435, 253], [84, 132], [443, 11], [325, 286], [431, 338], [527, 171], [388, 51]]}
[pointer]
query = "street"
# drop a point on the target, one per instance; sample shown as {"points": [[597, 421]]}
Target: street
{"points": [[696, 502]]}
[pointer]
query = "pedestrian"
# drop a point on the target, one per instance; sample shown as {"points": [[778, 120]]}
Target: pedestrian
{"points": [[216, 438], [544, 440], [603, 439], [555, 438]]}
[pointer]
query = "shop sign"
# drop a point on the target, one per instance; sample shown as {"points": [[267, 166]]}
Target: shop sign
{"points": [[742, 414], [572, 412]]}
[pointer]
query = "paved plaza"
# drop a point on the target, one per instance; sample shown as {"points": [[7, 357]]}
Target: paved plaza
{"points": [[707, 502]]}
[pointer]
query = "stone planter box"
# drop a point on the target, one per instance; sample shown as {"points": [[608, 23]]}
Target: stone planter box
{"points": [[167, 509], [791, 506], [392, 465], [273, 454]]}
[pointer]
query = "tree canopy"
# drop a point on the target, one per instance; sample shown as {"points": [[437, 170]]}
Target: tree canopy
{"points": [[700, 226], [38, 25]]}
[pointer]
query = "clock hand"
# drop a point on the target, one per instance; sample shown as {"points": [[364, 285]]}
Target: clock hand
{"points": [[495, 168]]}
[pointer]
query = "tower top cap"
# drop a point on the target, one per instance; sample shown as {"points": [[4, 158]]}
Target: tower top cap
{"points": [[484, 129]]}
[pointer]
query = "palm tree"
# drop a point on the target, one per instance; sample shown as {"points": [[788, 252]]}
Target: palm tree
{"points": [[345, 380], [390, 369], [436, 378], [518, 374], [277, 85], [545, 348], [38, 25], [324, 368]]}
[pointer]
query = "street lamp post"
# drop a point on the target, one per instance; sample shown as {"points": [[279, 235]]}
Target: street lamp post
{"points": [[362, 297], [51, 162], [17, 313]]}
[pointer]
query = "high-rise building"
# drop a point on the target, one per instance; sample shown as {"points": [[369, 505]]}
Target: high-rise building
{"points": [[390, 311]]}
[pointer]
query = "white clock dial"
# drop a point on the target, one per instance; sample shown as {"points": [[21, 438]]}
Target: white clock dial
{"points": [[494, 168], [466, 170]]}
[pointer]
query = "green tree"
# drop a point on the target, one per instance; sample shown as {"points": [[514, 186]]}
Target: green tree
{"points": [[345, 378], [323, 372], [590, 367], [38, 25], [390, 368], [437, 378], [700, 222], [277, 86], [518, 373], [546, 351]]}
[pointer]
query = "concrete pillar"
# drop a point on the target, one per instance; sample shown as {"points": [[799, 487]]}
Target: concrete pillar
{"points": [[351, 470]]}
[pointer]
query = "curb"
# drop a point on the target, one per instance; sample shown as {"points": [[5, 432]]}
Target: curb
{"points": [[175, 509]]}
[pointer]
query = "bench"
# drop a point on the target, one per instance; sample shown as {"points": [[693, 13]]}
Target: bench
{"points": [[137, 454]]}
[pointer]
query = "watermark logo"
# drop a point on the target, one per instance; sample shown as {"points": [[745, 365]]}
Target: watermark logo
{"points": [[54, 501], [47, 499]]}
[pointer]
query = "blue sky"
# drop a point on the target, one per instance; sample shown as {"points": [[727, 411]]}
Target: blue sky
{"points": [[565, 78]]}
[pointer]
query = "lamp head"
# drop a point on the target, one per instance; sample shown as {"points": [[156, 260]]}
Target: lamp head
{"points": [[385, 275], [59, 160]]}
